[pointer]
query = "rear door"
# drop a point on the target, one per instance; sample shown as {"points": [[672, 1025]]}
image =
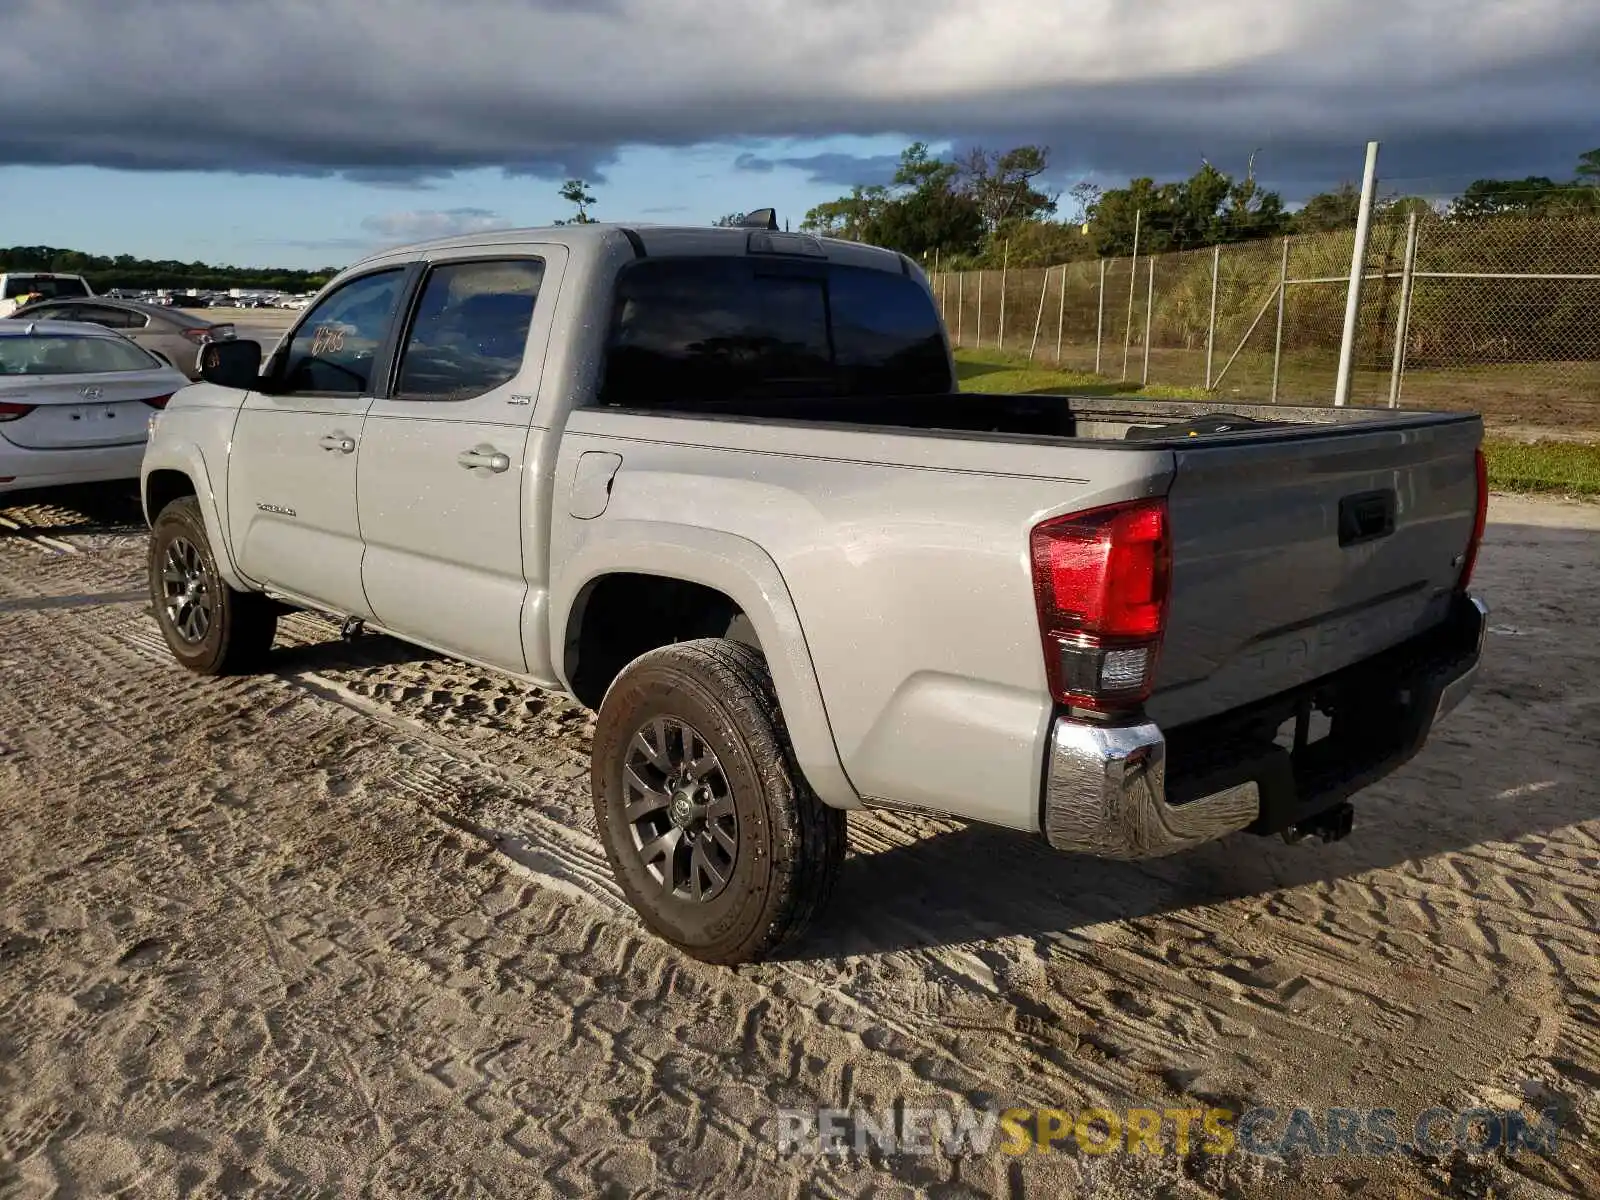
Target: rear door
{"points": [[443, 480], [296, 447], [1296, 556]]}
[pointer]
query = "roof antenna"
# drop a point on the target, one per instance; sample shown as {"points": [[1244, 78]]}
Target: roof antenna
{"points": [[761, 218]]}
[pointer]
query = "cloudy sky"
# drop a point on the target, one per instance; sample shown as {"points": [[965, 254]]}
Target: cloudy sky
{"points": [[301, 133]]}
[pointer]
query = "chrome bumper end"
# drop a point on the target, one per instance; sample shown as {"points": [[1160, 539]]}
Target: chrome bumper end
{"points": [[1455, 691], [1105, 794]]}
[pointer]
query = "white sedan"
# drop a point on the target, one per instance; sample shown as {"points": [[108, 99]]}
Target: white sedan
{"points": [[75, 403]]}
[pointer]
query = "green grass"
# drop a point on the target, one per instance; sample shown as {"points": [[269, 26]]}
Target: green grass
{"points": [[1572, 468], [1569, 467], [997, 371]]}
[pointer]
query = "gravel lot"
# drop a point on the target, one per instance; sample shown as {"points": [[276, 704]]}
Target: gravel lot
{"points": [[345, 929]]}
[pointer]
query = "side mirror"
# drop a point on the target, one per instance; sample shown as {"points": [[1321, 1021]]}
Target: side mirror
{"points": [[233, 364]]}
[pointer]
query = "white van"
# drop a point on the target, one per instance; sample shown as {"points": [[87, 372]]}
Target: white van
{"points": [[47, 285]]}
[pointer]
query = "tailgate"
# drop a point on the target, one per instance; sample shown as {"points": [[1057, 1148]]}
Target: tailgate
{"points": [[1299, 555]]}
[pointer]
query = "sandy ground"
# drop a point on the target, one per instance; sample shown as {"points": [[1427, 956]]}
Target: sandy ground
{"points": [[344, 929]]}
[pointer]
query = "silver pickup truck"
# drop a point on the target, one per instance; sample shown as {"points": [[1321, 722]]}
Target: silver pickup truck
{"points": [[720, 485]]}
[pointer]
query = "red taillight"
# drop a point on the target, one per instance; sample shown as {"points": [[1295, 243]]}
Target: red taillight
{"points": [[159, 401], [1100, 581], [1480, 518], [198, 336], [10, 412]]}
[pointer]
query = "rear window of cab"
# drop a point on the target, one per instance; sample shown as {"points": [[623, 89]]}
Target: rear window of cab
{"points": [[50, 287], [696, 330]]}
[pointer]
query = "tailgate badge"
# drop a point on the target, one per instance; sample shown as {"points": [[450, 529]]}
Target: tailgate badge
{"points": [[91, 392]]}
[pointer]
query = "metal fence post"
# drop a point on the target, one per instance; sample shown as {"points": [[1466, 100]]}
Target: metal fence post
{"points": [[1038, 317], [1402, 318], [980, 308], [1277, 342], [1061, 313], [1149, 319], [1358, 271], [1100, 318], [961, 299], [1211, 322], [1133, 284], [1005, 262]]}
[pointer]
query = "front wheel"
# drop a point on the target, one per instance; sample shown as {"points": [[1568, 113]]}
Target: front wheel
{"points": [[710, 829], [209, 627]]}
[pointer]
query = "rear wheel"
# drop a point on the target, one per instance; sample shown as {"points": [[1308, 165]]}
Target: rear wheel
{"points": [[712, 832], [210, 628]]}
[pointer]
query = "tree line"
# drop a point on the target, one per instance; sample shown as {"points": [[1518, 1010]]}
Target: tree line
{"points": [[103, 272], [972, 209]]}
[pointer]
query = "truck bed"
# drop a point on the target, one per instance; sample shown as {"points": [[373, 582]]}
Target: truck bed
{"points": [[900, 527], [1103, 420]]}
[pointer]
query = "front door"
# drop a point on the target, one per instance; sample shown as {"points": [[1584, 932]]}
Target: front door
{"points": [[443, 481], [292, 470]]}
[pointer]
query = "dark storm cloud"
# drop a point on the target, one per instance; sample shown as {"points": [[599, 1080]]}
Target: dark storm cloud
{"points": [[401, 92], [845, 170]]}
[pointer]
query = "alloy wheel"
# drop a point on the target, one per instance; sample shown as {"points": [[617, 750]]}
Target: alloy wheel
{"points": [[679, 809], [187, 594]]}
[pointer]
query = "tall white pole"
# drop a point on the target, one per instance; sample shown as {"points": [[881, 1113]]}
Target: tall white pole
{"points": [[1100, 318], [1358, 269], [1133, 284], [1211, 322]]}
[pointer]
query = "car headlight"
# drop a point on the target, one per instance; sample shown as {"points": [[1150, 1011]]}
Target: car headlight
{"points": [[151, 424]]}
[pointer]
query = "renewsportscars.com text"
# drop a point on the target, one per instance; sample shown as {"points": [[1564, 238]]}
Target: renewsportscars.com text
{"points": [[1262, 1131]]}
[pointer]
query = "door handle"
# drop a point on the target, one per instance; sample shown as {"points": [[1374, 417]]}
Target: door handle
{"points": [[340, 442], [486, 457]]}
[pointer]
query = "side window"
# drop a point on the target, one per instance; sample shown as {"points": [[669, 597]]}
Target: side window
{"points": [[469, 330], [111, 318], [336, 346]]}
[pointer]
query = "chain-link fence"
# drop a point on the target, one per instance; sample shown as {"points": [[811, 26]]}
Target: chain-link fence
{"points": [[1500, 316]]}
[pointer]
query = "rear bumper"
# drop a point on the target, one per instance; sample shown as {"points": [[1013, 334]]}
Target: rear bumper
{"points": [[1133, 792], [53, 468]]}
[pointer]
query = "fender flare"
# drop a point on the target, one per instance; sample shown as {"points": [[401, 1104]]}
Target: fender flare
{"points": [[188, 459], [745, 573]]}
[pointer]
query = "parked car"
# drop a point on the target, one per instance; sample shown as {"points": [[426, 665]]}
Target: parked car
{"points": [[17, 286], [75, 403], [721, 486], [173, 335]]}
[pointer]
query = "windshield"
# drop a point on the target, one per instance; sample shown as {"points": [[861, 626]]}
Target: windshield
{"points": [[50, 287], [57, 354]]}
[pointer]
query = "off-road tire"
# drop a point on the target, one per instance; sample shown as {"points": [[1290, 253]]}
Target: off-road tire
{"points": [[790, 844], [242, 625]]}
